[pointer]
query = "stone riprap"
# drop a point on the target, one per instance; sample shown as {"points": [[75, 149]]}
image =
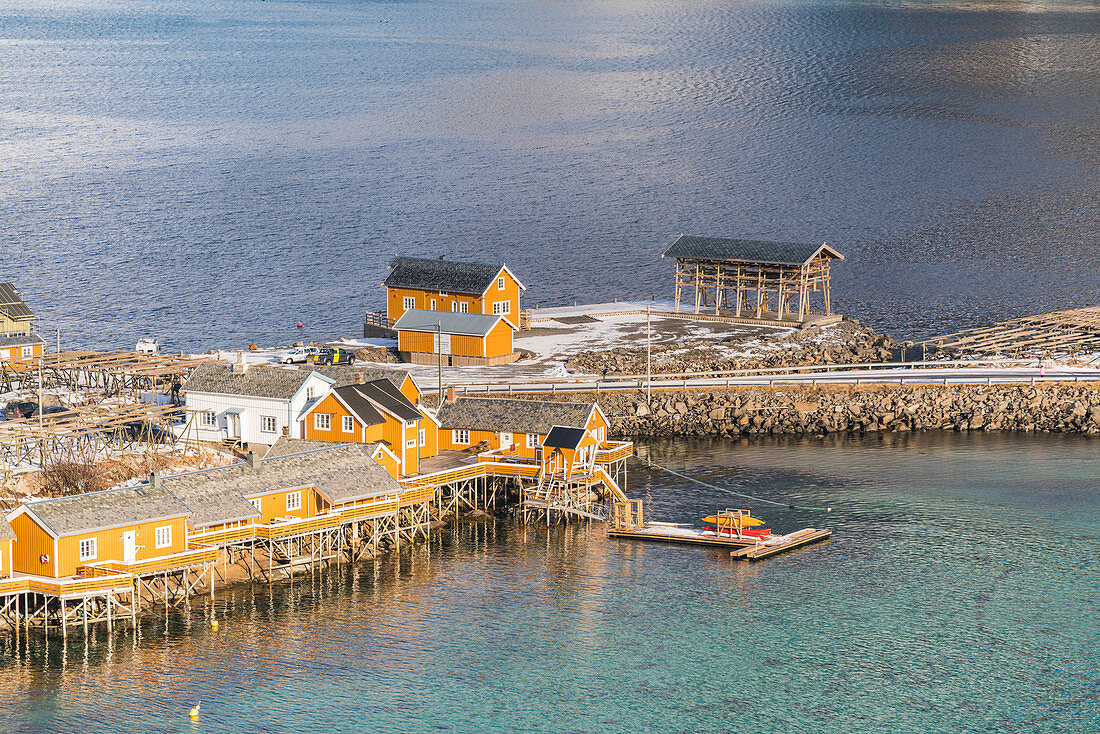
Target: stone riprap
{"points": [[846, 342], [823, 409]]}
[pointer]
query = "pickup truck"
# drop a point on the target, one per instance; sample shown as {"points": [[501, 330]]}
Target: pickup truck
{"points": [[334, 355]]}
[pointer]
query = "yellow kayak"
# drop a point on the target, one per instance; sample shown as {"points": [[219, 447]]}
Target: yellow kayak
{"points": [[726, 521]]}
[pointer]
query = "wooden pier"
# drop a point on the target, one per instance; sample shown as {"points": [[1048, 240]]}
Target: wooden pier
{"points": [[628, 521]]}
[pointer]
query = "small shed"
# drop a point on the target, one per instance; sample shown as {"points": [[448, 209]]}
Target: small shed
{"points": [[568, 451], [19, 337], [754, 279], [459, 339]]}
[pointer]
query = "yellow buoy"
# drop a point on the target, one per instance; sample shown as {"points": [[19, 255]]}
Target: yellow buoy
{"points": [[214, 624], [195, 711]]}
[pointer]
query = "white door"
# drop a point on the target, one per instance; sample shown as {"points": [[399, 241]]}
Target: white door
{"points": [[129, 546], [505, 440], [442, 343], [233, 425]]}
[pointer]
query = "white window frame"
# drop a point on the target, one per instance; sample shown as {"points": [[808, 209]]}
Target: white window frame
{"points": [[293, 501], [347, 423], [258, 503], [268, 424], [464, 307], [442, 294], [163, 536], [502, 308], [28, 351], [208, 419], [454, 306], [322, 421], [411, 443], [433, 304], [89, 549], [460, 437], [500, 283], [309, 393], [408, 303], [532, 440], [422, 437]]}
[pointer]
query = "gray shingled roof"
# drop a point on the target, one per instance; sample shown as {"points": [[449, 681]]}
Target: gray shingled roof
{"points": [[515, 416], [19, 341], [286, 446], [11, 305], [719, 248], [6, 533], [384, 395], [466, 324], [111, 508], [446, 276], [258, 381], [346, 375], [360, 406], [341, 472]]}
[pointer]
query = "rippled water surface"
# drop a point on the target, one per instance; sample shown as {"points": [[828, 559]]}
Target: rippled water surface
{"points": [[957, 595], [213, 171]]}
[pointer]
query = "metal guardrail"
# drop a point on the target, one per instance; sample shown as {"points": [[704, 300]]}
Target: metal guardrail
{"points": [[798, 374]]}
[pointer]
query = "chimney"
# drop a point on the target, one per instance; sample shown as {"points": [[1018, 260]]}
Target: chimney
{"points": [[154, 480], [357, 378], [240, 366], [450, 393], [252, 460]]}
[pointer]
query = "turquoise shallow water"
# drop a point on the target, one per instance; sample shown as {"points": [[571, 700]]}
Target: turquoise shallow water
{"points": [[958, 595]]}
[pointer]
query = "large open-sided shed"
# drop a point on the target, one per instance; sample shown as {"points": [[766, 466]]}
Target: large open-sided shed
{"points": [[755, 279]]}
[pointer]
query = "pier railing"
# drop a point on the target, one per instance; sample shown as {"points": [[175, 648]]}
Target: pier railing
{"points": [[194, 556], [919, 372]]}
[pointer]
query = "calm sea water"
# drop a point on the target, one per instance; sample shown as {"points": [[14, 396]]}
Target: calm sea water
{"points": [[957, 595], [213, 171]]}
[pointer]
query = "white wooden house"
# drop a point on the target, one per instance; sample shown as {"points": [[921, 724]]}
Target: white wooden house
{"points": [[252, 405]]}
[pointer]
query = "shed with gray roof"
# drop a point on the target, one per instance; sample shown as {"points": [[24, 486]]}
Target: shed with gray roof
{"points": [[514, 416]]}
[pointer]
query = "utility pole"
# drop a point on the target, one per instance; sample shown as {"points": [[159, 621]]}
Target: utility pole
{"points": [[439, 356], [59, 340], [648, 353]]}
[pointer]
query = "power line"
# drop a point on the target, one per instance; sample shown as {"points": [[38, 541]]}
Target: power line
{"points": [[731, 491]]}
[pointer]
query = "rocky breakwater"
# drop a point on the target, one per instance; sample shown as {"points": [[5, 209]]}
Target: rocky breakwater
{"points": [[846, 342], [1052, 407]]}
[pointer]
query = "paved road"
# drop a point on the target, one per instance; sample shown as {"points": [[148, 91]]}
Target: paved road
{"points": [[896, 375]]}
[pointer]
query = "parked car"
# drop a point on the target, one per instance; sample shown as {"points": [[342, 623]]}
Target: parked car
{"points": [[51, 409], [20, 409], [300, 355], [334, 355]]}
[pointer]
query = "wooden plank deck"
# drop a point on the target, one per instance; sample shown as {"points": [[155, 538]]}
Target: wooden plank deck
{"points": [[681, 535], [760, 552]]}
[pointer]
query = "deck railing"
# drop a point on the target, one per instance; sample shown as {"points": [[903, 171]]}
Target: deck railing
{"points": [[225, 535], [614, 451], [195, 556], [387, 505], [291, 528]]}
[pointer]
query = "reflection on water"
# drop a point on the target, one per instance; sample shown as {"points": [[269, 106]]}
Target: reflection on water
{"points": [[955, 596], [214, 172]]}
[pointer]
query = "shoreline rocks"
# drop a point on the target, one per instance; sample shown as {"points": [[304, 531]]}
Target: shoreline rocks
{"points": [[846, 342], [823, 409]]}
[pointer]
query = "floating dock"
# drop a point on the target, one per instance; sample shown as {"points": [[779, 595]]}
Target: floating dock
{"points": [[627, 522]]}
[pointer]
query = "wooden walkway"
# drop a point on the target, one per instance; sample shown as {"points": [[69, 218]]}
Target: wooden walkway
{"points": [[801, 538]]}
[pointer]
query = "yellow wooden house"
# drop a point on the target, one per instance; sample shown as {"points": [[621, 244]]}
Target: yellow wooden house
{"points": [[58, 537], [449, 285], [517, 426], [455, 339], [19, 339], [370, 412]]}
